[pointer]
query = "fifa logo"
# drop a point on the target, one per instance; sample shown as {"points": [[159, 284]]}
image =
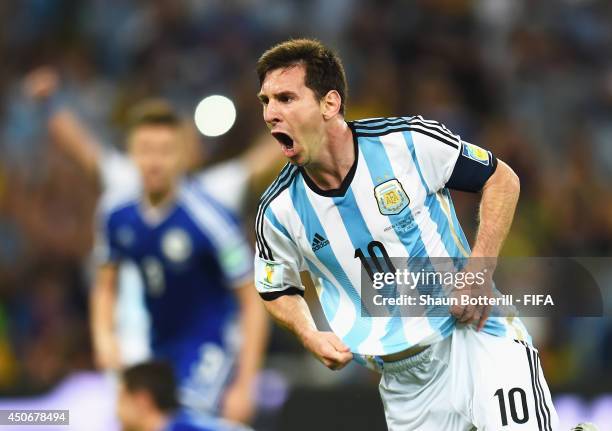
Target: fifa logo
{"points": [[269, 269]]}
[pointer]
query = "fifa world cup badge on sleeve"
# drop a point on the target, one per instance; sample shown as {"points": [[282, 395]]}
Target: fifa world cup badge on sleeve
{"points": [[270, 274], [476, 153], [391, 197]]}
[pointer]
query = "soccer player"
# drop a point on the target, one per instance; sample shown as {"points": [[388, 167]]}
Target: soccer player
{"points": [[115, 170], [206, 319], [118, 178], [371, 189], [148, 401]]}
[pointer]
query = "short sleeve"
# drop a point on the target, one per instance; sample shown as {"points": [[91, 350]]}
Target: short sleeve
{"points": [[277, 259], [118, 175], [234, 259], [437, 150], [227, 182], [106, 250], [474, 167]]}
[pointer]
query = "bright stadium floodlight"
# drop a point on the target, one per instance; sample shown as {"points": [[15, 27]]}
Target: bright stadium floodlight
{"points": [[215, 115]]}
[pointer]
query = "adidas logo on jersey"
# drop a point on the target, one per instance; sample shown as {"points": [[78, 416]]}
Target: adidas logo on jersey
{"points": [[318, 242]]}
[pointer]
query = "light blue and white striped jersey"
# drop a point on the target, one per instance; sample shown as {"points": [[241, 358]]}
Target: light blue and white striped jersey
{"points": [[302, 228]]}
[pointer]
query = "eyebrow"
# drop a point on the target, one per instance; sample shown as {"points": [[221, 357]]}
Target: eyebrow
{"points": [[264, 97]]}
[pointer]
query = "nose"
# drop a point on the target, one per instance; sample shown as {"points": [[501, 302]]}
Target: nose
{"points": [[271, 114]]}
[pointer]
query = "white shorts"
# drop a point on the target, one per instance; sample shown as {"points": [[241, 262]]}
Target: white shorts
{"points": [[470, 380]]}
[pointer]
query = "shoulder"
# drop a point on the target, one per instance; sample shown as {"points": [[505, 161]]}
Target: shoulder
{"points": [[381, 126], [117, 207], [117, 172], [208, 215], [193, 196]]}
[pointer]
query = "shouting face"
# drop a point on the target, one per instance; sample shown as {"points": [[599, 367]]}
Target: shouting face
{"points": [[293, 113]]}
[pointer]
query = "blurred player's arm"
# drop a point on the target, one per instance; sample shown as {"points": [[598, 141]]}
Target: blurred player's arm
{"points": [[238, 404], [277, 279], [229, 181], [103, 295], [66, 130], [261, 156], [102, 317], [74, 139]]}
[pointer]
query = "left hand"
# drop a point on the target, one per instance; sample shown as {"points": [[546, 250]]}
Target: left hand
{"points": [[477, 314], [238, 403]]}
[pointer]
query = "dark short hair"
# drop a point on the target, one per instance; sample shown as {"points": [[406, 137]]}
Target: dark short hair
{"points": [[157, 379], [324, 70], [152, 112]]}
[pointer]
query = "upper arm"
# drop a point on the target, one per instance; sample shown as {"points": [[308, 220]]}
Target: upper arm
{"points": [[445, 160], [106, 275], [277, 260], [503, 172]]}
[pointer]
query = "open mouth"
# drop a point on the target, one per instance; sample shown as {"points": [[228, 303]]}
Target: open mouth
{"points": [[284, 139]]}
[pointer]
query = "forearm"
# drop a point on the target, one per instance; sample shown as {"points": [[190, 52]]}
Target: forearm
{"points": [[254, 326], [499, 198], [291, 311], [102, 306], [41, 86], [74, 139], [261, 156]]}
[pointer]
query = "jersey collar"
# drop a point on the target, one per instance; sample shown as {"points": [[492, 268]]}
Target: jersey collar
{"points": [[346, 182]]}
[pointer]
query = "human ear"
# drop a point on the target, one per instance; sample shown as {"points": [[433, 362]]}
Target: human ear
{"points": [[330, 104]]}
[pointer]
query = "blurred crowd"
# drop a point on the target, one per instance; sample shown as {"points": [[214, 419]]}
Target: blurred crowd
{"points": [[532, 81]]}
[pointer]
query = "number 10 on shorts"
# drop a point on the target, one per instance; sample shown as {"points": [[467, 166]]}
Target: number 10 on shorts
{"points": [[513, 397]]}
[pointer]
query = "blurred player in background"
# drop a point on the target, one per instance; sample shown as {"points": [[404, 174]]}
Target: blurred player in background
{"points": [[118, 177], [148, 402], [205, 317], [379, 187], [115, 170]]}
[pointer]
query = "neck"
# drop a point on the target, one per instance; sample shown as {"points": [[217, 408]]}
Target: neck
{"points": [[155, 421], [159, 199], [335, 158]]}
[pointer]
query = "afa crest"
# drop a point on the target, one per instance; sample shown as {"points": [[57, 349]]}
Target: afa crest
{"points": [[176, 245], [391, 197]]}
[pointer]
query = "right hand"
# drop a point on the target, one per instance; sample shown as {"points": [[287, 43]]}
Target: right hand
{"points": [[328, 348], [107, 355]]}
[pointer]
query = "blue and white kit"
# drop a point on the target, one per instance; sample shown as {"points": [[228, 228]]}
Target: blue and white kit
{"points": [[394, 201]]}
